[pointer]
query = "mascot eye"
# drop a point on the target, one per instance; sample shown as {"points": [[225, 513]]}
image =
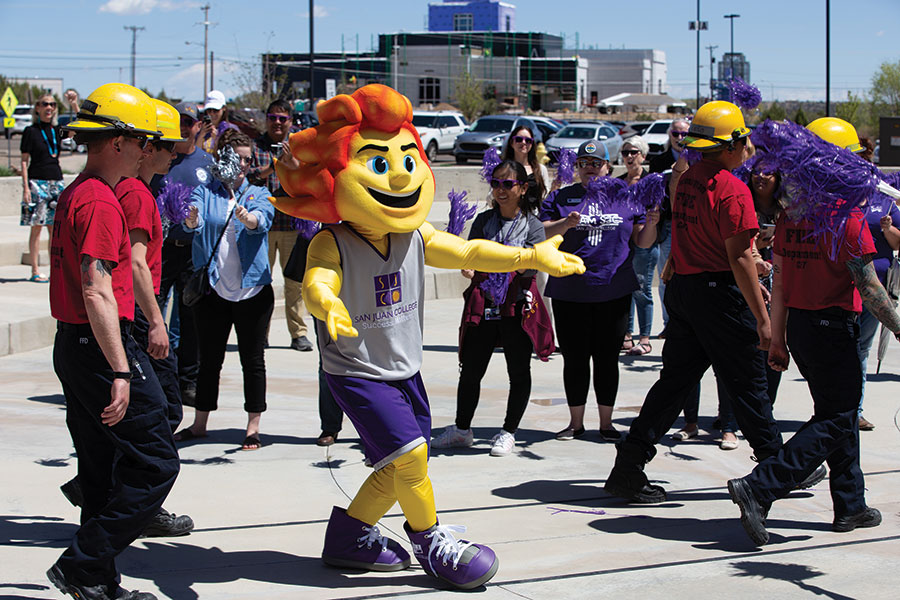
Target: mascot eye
{"points": [[379, 165], [409, 163]]}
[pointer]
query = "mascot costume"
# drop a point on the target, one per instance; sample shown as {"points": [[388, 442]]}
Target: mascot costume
{"points": [[364, 170]]}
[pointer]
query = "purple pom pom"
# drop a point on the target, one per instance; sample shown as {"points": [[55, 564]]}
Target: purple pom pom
{"points": [[565, 172], [602, 191], [646, 194], [744, 94], [489, 162], [823, 182], [174, 201], [460, 211], [692, 155], [496, 285], [305, 228]]}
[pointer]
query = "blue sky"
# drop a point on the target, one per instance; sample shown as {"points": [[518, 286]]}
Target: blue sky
{"points": [[84, 41]]}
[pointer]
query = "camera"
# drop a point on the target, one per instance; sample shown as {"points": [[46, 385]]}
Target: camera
{"points": [[206, 118], [277, 150]]}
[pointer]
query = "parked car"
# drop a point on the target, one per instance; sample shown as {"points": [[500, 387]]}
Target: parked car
{"points": [[490, 131], [875, 154], [22, 115], [438, 130], [68, 143], [576, 133], [547, 126], [634, 128], [657, 136]]}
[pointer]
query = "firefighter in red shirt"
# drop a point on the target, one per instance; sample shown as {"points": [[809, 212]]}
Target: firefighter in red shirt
{"points": [[115, 410], [817, 296], [717, 316]]}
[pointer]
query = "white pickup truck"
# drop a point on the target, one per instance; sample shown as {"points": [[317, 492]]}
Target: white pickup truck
{"points": [[438, 130]]}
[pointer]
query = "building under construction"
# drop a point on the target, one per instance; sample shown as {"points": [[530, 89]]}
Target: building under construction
{"points": [[521, 70]]}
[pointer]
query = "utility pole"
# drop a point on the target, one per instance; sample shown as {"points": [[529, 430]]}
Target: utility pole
{"points": [[699, 26], [212, 70], [827, 58], [712, 62], [311, 53], [206, 24], [134, 31], [732, 18]]}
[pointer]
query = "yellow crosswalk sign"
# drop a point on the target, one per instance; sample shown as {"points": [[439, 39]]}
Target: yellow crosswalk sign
{"points": [[9, 102]]}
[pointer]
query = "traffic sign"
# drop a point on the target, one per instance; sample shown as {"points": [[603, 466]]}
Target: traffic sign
{"points": [[9, 102], [9, 122]]}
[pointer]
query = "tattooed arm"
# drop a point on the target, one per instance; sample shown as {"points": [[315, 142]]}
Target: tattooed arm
{"points": [[103, 314], [874, 296]]}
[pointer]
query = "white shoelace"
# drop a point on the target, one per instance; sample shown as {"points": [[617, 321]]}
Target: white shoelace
{"points": [[444, 546], [374, 536]]}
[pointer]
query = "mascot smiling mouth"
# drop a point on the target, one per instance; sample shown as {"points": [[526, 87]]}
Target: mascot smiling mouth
{"points": [[396, 200]]}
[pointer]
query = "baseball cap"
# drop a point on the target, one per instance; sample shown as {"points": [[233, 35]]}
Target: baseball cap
{"points": [[214, 99], [593, 149], [188, 109]]}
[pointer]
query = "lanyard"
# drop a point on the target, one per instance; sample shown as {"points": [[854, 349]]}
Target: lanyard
{"points": [[52, 148], [508, 231]]}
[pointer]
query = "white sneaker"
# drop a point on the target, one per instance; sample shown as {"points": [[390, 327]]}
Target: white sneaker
{"points": [[453, 437], [503, 443]]}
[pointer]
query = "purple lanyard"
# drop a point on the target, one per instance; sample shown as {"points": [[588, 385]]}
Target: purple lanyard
{"points": [[509, 231]]}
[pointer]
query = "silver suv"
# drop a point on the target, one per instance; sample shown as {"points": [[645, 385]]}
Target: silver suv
{"points": [[438, 130]]}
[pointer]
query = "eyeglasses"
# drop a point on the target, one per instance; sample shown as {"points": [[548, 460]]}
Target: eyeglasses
{"points": [[507, 184], [142, 140], [678, 134], [630, 152], [245, 160], [520, 139], [278, 118], [596, 163], [50, 104]]}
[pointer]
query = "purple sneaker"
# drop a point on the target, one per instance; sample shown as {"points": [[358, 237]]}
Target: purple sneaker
{"points": [[463, 564], [351, 543]]}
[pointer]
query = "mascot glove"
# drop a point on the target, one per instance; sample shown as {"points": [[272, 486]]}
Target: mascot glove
{"points": [[545, 256], [338, 321]]}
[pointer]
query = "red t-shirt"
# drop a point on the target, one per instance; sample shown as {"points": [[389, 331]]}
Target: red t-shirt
{"points": [[141, 212], [89, 220], [810, 279], [710, 206]]}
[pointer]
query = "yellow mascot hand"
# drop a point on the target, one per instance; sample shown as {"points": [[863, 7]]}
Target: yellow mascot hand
{"points": [[338, 322], [322, 285], [545, 256]]}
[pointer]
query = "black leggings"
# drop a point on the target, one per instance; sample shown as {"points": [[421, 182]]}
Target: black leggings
{"points": [[475, 354], [215, 317], [591, 332]]}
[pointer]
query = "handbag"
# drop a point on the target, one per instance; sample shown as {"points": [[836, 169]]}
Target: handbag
{"points": [[197, 285]]}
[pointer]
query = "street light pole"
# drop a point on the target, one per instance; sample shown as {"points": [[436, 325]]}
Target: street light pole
{"points": [[205, 24], [311, 52], [712, 62], [732, 18], [827, 58]]}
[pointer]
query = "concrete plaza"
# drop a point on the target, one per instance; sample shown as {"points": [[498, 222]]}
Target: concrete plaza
{"points": [[261, 516]]}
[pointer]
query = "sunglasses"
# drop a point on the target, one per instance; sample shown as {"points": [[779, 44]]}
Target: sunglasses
{"points": [[245, 160], [278, 118], [597, 163], [142, 140], [678, 134], [51, 104], [507, 184], [630, 152], [166, 145], [519, 139]]}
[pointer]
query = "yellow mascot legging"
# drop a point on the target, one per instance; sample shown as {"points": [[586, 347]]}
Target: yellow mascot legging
{"points": [[406, 481]]}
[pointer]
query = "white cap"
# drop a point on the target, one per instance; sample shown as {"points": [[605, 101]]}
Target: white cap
{"points": [[214, 99]]}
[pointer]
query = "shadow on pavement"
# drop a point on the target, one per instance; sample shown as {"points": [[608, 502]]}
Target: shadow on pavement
{"points": [[35, 531], [791, 573], [721, 535], [214, 566]]}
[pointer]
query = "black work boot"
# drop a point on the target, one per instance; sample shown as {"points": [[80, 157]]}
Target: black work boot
{"points": [[166, 524], [753, 513]]}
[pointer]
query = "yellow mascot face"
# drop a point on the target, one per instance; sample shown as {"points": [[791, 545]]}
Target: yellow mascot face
{"points": [[386, 187]]}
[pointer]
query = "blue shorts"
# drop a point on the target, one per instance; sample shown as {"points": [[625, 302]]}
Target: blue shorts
{"points": [[391, 417]]}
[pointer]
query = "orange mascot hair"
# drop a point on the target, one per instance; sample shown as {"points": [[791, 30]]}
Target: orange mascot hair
{"points": [[323, 151]]}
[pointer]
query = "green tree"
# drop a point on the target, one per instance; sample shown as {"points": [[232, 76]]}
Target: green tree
{"points": [[885, 92], [800, 117], [852, 110], [470, 97], [774, 111]]}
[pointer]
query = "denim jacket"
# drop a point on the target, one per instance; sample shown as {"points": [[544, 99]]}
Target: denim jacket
{"points": [[253, 246]]}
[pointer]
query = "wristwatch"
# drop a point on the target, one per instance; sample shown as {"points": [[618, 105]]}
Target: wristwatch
{"points": [[126, 375]]}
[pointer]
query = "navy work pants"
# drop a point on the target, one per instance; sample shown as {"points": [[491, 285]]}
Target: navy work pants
{"points": [[126, 470], [166, 369], [824, 345], [177, 267], [710, 324]]}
